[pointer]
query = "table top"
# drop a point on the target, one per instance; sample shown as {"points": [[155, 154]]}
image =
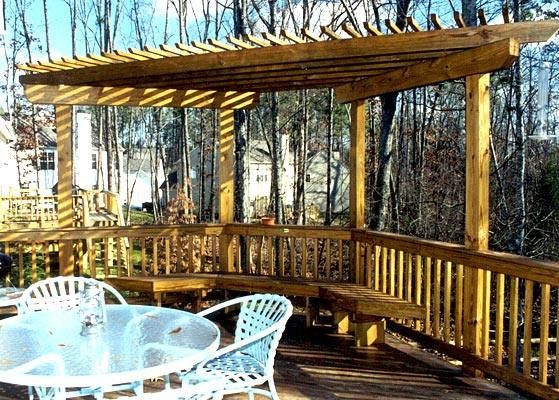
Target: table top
{"points": [[136, 343]]}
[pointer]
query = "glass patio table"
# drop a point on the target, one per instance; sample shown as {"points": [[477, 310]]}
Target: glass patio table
{"points": [[46, 350]]}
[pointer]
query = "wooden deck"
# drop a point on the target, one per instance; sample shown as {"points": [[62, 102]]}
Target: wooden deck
{"points": [[316, 364]]}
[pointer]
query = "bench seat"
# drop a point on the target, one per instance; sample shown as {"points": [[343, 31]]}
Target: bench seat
{"points": [[362, 305]]}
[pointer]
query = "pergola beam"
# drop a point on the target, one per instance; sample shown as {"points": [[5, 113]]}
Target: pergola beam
{"points": [[149, 97], [479, 60], [336, 52]]}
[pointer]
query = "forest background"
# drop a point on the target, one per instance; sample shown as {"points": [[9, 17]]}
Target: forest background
{"points": [[415, 139]]}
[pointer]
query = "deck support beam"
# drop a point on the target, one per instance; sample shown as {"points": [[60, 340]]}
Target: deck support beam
{"points": [[64, 186], [357, 184], [477, 206], [226, 185]]}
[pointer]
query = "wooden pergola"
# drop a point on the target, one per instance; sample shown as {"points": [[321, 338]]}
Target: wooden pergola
{"points": [[232, 75]]}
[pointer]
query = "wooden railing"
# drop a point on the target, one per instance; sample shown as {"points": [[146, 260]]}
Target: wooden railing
{"points": [[39, 210], [510, 335]]}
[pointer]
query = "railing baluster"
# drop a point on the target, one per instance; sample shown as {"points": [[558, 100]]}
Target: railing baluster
{"points": [[155, 255], [167, 243], [328, 260], [418, 285], [106, 250], [528, 315], [544, 332], [20, 264], [315, 258], [499, 319], [486, 320], [143, 255], [427, 280], [392, 268], [513, 322], [368, 265], [341, 259], [34, 275], [447, 300], [304, 258], [384, 271], [47, 259], [437, 300], [458, 314], [400, 274], [377, 267]]}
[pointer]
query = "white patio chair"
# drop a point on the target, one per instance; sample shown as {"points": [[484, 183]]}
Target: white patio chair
{"points": [[63, 293], [60, 293], [249, 361]]}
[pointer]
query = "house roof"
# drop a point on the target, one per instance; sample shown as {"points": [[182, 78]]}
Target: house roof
{"points": [[218, 74]]}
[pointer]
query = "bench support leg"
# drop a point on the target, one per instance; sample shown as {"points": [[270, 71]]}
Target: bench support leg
{"points": [[369, 332], [311, 311], [342, 322]]}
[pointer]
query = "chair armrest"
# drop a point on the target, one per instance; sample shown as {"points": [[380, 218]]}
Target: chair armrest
{"points": [[243, 343], [219, 306]]}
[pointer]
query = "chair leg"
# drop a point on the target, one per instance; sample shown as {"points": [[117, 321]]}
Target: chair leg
{"points": [[273, 391]]}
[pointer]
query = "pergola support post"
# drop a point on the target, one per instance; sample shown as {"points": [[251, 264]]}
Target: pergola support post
{"points": [[477, 207], [64, 186], [357, 185], [226, 185]]}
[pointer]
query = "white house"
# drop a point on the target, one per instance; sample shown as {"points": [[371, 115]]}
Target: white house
{"points": [[8, 160]]}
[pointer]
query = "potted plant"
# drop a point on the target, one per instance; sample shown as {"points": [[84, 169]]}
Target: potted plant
{"points": [[268, 220]]}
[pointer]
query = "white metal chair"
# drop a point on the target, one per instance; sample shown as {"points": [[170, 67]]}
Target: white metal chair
{"points": [[63, 293], [60, 293], [249, 361]]}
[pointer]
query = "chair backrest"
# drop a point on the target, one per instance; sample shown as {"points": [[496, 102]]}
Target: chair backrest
{"points": [[260, 312], [60, 293]]}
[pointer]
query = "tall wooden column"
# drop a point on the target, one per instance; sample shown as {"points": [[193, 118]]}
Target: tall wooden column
{"points": [[357, 183], [226, 185], [65, 172], [477, 204]]}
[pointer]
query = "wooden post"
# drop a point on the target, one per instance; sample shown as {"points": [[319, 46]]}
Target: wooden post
{"points": [[357, 184], [65, 172], [226, 185], [477, 204]]}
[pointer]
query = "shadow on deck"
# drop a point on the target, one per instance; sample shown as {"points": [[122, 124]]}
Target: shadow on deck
{"points": [[316, 364]]}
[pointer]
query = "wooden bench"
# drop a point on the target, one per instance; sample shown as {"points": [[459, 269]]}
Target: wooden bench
{"points": [[355, 308]]}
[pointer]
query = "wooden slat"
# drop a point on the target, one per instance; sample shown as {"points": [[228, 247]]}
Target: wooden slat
{"points": [[155, 256], [143, 255], [351, 30], [328, 260], [400, 274], [513, 322], [544, 333], [256, 41], [392, 27], [437, 299], [392, 270], [480, 60], [206, 47], [377, 268], [499, 319], [239, 43], [459, 20], [167, 255], [436, 22], [147, 54], [315, 258], [189, 49], [310, 35], [485, 326], [304, 245], [506, 15], [292, 257], [528, 317], [372, 30], [291, 36], [447, 300], [413, 24], [481, 17], [221, 45], [458, 313], [384, 271], [327, 31], [274, 39], [427, 302], [178, 51]]}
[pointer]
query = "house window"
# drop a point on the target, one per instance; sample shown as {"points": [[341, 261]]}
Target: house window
{"points": [[46, 160], [94, 161], [261, 178], [308, 178]]}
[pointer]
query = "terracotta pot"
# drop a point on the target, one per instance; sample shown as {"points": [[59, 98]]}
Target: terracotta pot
{"points": [[268, 220]]}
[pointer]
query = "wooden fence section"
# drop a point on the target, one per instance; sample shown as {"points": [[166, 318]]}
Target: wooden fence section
{"points": [[518, 331]]}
